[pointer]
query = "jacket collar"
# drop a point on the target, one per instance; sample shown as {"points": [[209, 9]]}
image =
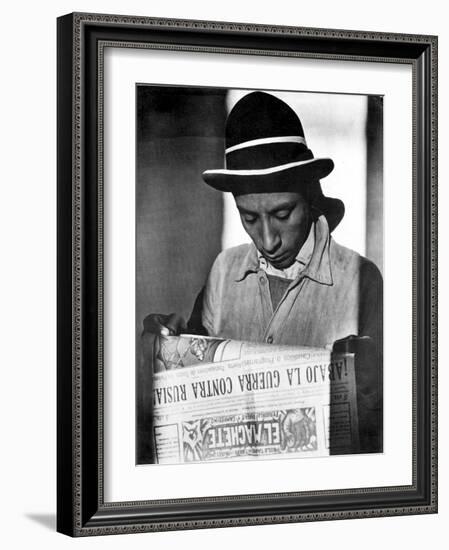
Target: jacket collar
{"points": [[317, 269]]}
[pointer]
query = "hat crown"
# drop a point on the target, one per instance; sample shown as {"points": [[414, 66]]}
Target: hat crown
{"points": [[263, 132], [266, 152], [260, 115]]}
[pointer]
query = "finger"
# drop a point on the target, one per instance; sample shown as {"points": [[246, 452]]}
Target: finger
{"points": [[164, 331], [172, 323], [154, 323], [175, 323]]}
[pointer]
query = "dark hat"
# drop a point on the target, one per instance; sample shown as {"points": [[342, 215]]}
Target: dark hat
{"points": [[266, 151]]}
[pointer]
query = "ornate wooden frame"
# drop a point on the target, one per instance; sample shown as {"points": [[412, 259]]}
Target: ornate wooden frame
{"points": [[81, 507]]}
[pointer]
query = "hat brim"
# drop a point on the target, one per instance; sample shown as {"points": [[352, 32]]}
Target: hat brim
{"points": [[269, 179]]}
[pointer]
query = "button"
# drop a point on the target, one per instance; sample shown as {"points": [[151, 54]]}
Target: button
{"points": [[262, 280], [270, 339]]}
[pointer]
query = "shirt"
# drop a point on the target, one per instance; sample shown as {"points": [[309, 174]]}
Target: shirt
{"points": [[338, 293]]}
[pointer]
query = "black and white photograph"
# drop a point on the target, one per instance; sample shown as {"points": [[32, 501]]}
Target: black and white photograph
{"points": [[259, 274], [222, 290]]}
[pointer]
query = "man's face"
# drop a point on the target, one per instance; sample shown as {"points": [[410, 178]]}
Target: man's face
{"points": [[278, 224]]}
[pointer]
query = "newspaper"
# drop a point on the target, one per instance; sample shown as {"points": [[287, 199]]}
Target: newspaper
{"points": [[218, 400]]}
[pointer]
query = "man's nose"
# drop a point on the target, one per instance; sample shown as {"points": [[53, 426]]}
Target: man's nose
{"points": [[270, 238]]}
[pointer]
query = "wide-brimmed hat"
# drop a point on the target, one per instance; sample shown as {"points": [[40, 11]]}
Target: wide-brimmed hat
{"points": [[266, 151]]}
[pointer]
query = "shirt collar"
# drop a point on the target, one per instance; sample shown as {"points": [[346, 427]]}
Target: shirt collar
{"points": [[312, 261]]}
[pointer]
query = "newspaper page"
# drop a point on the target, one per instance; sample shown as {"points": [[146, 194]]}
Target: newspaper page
{"points": [[219, 400]]}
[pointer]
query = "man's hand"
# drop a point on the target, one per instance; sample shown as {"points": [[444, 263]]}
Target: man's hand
{"points": [[368, 375], [164, 325], [155, 325], [366, 365]]}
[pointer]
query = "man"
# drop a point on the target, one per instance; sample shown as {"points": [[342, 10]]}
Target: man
{"points": [[293, 284]]}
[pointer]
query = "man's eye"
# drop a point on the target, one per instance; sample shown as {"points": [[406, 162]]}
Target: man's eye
{"points": [[283, 214], [249, 219]]}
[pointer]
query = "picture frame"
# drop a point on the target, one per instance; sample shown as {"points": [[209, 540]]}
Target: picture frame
{"points": [[81, 506]]}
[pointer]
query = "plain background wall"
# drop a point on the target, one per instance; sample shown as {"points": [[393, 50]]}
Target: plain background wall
{"points": [[179, 135], [27, 230]]}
